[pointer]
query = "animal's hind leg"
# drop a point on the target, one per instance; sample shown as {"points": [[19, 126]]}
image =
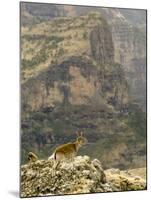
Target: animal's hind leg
{"points": [[58, 159], [54, 167]]}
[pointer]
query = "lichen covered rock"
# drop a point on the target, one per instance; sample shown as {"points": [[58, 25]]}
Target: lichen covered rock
{"points": [[81, 176], [126, 180], [40, 178]]}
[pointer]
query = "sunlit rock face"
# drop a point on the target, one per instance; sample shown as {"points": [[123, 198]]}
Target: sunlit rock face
{"points": [[76, 81]]}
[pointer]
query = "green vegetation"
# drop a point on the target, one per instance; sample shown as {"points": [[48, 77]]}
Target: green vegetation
{"points": [[35, 37], [39, 58], [50, 42], [85, 35], [137, 121], [105, 131], [61, 51]]}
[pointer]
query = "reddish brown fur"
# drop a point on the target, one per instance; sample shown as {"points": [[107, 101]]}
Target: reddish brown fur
{"points": [[69, 150]]}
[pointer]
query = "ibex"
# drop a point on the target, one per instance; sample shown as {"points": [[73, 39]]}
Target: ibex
{"points": [[68, 151], [32, 157]]}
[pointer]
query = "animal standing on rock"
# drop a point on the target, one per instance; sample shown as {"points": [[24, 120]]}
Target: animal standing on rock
{"points": [[67, 152], [32, 157]]}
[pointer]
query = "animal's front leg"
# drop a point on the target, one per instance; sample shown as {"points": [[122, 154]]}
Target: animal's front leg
{"points": [[56, 164], [72, 162], [54, 167]]}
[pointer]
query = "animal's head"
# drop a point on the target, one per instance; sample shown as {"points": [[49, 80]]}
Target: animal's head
{"points": [[81, 139], [32, 156]]}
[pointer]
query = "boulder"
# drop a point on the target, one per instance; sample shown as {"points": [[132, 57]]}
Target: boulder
{"points": [[82, 175]]}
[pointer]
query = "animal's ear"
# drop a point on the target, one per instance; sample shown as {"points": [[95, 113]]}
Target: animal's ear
{"points": [[29, 153], [81, 133], [77, 133]]}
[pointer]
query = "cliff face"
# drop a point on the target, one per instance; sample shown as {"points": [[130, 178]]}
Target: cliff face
{"points": [[126, 34], [91, 78], [129, 38], [128, 30], [76, 81], [83, 72], [102, 45]]}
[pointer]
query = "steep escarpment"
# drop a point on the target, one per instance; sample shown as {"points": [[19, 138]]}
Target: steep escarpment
{"points": [[102, 45], [76, 75], [76, 81], [130, 48], [61, 38], [126, 33], [93, 78], [77, 94], [81, 176]]}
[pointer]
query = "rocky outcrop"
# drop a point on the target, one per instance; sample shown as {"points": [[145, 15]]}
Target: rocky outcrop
{"points": [[80, 176], [76, 81], [126, 180], [129, 40], [102, 47]]}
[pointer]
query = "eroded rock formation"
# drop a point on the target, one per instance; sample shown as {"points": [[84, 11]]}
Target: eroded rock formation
{"points": [[83, 175]]}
